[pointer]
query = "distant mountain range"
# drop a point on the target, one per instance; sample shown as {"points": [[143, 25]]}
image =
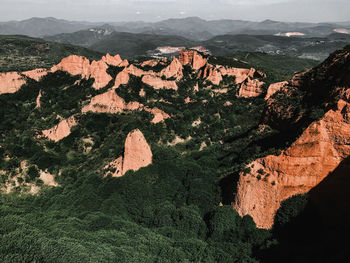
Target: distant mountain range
{"points": [[192, 27], [220, 37]]}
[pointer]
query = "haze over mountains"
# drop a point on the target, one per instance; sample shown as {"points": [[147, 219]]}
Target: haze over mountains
{"points": [[193, 28], [220, 37]]}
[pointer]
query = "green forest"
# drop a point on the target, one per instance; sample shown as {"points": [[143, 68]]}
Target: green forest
{"points": [[179, 209]]}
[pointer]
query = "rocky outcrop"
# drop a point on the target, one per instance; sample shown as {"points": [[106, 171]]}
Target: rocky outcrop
{"points": [[319, 150], [77, 65], [174, 70], [36, 74], [110, 102], [11, 82], [192, 58], [137, 154], [251, 88], [212, 74], [150, 63], [121, 79], [112, 60], [61, 130], [38, 98], [158, 83], [273, 88]]}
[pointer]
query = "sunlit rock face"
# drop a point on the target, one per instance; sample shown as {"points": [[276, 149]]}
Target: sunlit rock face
{"points": [[36, 74], [321, 148], [273, 88], [137, 154], [61, 130], [11, 82], [158, 83], [192, 58], [174, 70], [77, 65]]}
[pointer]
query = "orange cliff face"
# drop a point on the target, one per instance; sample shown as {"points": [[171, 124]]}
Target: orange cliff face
{"points": [[137, 154], [175, 69], [61, 130], [110, 102], [192, 58], [77, 65], [273, 88], [319, 150], [11, 82], [314, 157]]}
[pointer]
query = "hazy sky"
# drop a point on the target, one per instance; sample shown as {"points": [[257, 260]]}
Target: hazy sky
{"points": [[153, 10]]}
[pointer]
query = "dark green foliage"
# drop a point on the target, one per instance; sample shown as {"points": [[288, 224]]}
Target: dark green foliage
{"points": [[21, 53]]}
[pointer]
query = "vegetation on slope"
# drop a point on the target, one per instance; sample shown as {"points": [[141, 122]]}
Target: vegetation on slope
{"points": [[21, 53]]}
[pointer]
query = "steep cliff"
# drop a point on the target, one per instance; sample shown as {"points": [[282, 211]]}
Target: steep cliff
{"points": [[137, 154], [320, 149]]}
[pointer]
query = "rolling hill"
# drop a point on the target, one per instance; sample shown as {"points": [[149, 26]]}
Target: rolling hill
{"points": [[20, 53]]}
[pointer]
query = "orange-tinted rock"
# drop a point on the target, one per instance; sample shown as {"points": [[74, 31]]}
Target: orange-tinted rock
{"points": [[150, 63], [77, 65], [159, 115], [273, 88], [192, 58], [158, 83], [135, 71], [317, 152], [212, 74], [61, 130], [174, 70], [36, 74], [121, 79], [11, 82], [110, 102], [38, 104], [137, 152], [112, 60], [251, 88]]}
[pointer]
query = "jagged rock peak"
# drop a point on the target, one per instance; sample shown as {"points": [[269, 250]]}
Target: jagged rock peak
{"points": [[137, 154]]}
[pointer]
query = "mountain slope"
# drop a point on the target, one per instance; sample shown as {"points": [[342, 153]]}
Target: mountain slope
{"points": [[38, 27], [20, 53]]}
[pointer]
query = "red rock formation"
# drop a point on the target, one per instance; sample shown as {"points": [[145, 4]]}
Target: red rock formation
{"points": [[150, 63], [11, 82], [137, 154], [273, 88], [158, 83], [174, 70], [159, 115], [110, 60], [110, 102], [77, 65], [38, 104], [36, 74], [192, 58], [122, 78], [250, 88], [61, 130], [318, 151], [212, 74]]}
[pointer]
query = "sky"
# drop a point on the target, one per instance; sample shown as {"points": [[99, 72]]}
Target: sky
{"points": [[155, 10]]}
